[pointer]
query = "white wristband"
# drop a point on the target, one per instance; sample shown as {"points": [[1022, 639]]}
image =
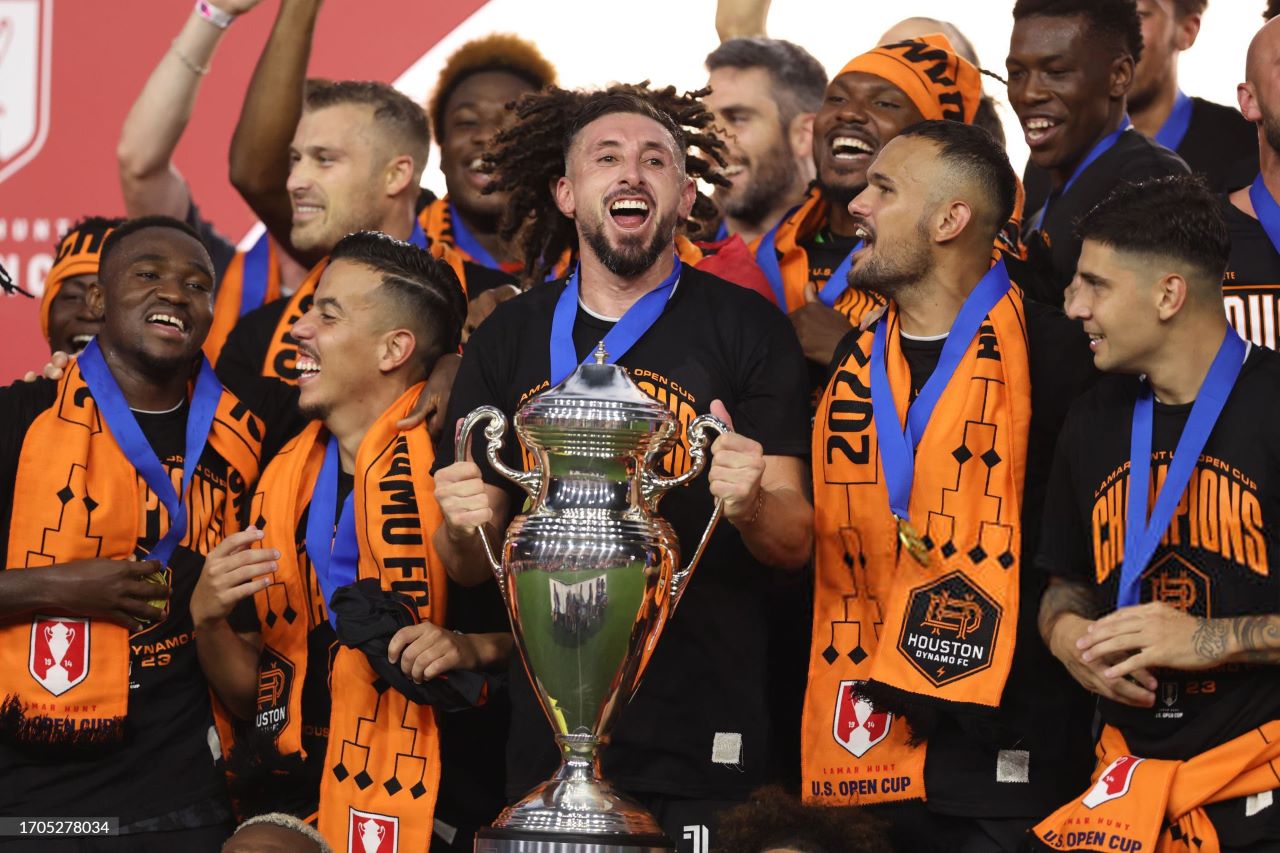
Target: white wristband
{"points": [[213, 14]]}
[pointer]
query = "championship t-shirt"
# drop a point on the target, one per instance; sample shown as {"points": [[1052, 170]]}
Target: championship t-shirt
{"points": [[1217, 559], [167, 760], [1052, 255], [699, 725], [1251, 284], [1044, 715]]}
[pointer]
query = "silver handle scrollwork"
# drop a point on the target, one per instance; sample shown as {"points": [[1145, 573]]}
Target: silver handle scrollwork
{"points": [[528, 480], [653, 487]]}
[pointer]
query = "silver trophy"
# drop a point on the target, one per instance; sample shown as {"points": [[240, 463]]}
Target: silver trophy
{"points": [[590, 575]]}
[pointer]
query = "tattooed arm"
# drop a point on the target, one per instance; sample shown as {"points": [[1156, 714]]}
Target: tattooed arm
{"points": [[1155, 634], [1067, 613], [1064, 597]]}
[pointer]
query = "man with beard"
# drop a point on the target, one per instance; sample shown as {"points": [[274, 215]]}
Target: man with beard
{"points": [[930, 695], [384, 312], [66, 319], [1251, 285], [1070, 68], [117, 480], [806, 257], [764, 93], [1159, 539], [698, 344]]}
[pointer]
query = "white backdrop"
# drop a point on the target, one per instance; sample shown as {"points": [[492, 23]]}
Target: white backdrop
{"points": [[593, 43]]}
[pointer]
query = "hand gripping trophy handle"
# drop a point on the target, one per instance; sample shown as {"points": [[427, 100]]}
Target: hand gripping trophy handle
{"points": [[528, 480], [654, 487]]}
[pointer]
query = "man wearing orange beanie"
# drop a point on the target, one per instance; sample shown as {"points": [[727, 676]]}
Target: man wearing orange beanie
{"points": [[874, 98], [65, 319]]}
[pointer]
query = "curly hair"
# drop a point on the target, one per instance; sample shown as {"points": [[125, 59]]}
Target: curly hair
{"points": [[527, 158], [495, 52], [773, 818]]}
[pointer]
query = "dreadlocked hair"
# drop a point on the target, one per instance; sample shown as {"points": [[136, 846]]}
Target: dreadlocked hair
{"points": [[527, 158]]}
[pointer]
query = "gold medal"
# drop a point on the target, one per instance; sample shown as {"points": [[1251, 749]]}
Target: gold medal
{"points": [[158, 578], [910, 540]]}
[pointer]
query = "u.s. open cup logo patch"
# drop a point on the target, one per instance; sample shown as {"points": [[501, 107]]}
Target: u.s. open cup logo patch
{"points": [[59, 652]]}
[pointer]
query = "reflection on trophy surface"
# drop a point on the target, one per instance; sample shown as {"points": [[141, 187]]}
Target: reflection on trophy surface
{"points": [[590, 574]]}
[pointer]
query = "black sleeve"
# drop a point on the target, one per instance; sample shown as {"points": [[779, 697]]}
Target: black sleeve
{"points": [[221, 250], [1064, 534], [1160, 163], [20, 404], [482, 381], [772, 403], [240, 364]]}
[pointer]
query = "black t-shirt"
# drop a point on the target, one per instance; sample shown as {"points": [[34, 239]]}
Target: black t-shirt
{"points": [[705, 686], [1251, 284], [1133, 158], [1219, 564], [1220, 144], [1043, 711], [166, 762]]}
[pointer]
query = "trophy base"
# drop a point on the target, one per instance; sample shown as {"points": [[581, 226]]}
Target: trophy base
{"points": [[576, 812], [495, 840]]}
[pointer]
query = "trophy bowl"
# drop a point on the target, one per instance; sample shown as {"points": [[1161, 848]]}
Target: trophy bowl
{"points": [[589, 574]]}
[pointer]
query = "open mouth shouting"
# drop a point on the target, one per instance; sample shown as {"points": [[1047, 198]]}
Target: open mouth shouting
{"points": [[630, 213], [847, 148], [79, 342], [168, 325]]}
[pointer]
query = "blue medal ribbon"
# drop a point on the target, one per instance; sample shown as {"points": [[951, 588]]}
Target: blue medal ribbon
{"points": [[767, 260], [722, 233], [1101, 147], [334, 554], [131, 440], [898, 445], [417, 237], [1141, 537], [466, 241], [624, 334], [1266, 209], [254, 274], [1174, 129]]}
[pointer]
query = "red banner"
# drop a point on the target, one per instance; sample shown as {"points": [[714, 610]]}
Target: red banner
{"points": [[70, 70]]}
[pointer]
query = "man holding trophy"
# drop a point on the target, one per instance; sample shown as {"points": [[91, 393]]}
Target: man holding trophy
{"points": [[695, 739]]}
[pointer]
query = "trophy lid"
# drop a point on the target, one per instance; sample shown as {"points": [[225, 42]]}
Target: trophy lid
{"points": [[595, 398]]}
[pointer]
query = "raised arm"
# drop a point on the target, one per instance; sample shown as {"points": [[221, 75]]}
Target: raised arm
{"points": [[741, 18], [269, 117], [149, 180]]}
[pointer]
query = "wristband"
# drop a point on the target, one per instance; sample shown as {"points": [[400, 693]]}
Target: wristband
{"points": [[213, 14]]}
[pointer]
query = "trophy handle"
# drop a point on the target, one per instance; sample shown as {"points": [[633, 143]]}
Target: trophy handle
{"points": [[654, 487], [528, 480]]}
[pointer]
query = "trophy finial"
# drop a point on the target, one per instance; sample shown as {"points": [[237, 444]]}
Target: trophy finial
{"points": [[601, 355]]}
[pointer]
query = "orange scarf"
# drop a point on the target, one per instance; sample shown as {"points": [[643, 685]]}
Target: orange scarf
{"points": [[1158, 806], [793, 260], [282, 355], [77, 254], [229, 301], [382, 763], [949, 627], [65, 677]]}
